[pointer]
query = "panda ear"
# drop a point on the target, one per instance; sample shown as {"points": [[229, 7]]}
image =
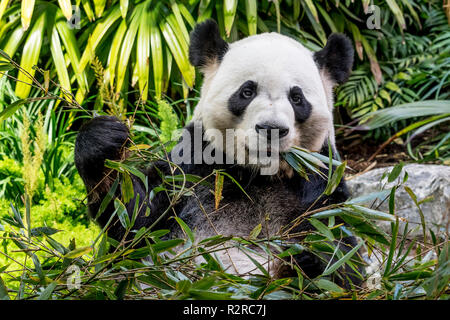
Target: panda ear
{"points": [[336, 58], [206, 44]]}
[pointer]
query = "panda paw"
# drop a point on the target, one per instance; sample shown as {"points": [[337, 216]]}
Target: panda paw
{"points": [[101, 138]]}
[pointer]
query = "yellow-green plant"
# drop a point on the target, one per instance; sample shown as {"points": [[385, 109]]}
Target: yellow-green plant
{"points": [[106, 95], [26, 26], [31, 161]]}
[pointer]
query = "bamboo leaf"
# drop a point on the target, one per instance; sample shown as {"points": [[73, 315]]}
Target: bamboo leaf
{"points": [[88, 10], [127, 46], [370, 213], [256, 231], [391, 248], [327, 285], [179, 21], [30, 56], [404, 111], [363, 227], [99, 7], [38, 268], [120, 166], [101, 28], [40, 231], [327, 18], [312, 9], [3, 291], [218, 189], [397, 13], [413, 12], [180, 55], [335, 179], [342, 260], [124, 8], [47, 293], [166, 245], [127, 188], [113, 57], [374, 64], [292, 250], [66, 8], [122, 213], [251, 10], [14, 41], [412, 275], [186, 229], [12, 108], [311, 13], [167, 68], [59, 61], [187, 15], [27, 13], [157, 55], [78, 252], [3, 5], [229, 13], [422, 217], [395, 172], [143, 55], [323, 229], [70, 44]]}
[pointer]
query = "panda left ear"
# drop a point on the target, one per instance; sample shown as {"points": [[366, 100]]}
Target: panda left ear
{"points": [[336, 58], [206, 44]]}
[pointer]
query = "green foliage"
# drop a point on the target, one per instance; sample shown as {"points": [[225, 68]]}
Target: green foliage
{"points": [[156, 53], [414, 66], [175, 272], [437, 113], [11, 183], [118, 63], [169, 122]]}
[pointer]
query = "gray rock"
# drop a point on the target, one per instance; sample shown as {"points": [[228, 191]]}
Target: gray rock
{"points": [[425, 181]]}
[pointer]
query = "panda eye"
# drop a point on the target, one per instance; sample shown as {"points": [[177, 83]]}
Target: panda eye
{"points": [[296, 98], [296, 95], [302, 107], [247, 93]]}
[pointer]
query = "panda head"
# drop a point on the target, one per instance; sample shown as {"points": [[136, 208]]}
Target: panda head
{"points": [[268, 81]]}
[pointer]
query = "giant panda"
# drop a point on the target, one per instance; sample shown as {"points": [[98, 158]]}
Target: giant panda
{"points": [[261, 84]]}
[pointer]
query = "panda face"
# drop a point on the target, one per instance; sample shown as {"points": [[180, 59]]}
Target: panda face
{"points": [[268, 81], [263, 82]]}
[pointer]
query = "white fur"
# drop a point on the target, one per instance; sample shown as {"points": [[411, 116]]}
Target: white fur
{"points": [[276, 63]]}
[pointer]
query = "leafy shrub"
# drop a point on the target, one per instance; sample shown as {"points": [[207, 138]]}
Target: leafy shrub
{"points": [[102, 268]]}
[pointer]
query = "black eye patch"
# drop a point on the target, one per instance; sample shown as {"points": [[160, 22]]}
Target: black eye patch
{"points": [[302, 107], [239, 100]]}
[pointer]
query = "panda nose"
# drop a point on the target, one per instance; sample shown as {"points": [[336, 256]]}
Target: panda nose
{"points": [[282, 131]]}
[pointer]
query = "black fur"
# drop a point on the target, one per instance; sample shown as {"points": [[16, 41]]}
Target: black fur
{"points": [[206, 44], [238, 102], [104, 138], [303, 108], [336, 57], [99, 139]]}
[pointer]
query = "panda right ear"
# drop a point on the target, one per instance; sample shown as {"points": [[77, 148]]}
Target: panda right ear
{"points": [[206, 45], [336, 58]]}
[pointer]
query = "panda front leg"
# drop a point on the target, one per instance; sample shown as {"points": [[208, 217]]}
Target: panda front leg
{"points": [[102, 138]]}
